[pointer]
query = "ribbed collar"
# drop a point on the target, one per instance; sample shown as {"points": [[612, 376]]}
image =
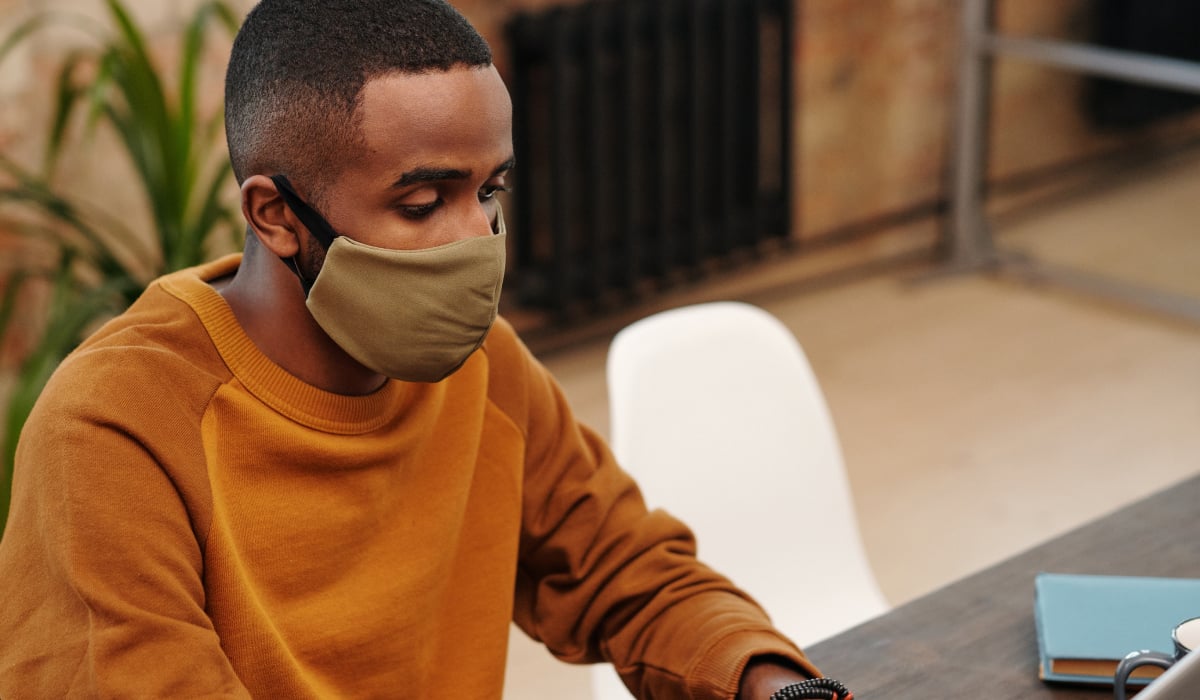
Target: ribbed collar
{"points": [[270, 383]]}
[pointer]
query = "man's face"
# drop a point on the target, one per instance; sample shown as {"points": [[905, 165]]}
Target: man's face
{"points": [[438, 146]]}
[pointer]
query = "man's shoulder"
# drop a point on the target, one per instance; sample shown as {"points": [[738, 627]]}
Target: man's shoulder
{"points": [[156, 353], [513, 371], [505, 349]]}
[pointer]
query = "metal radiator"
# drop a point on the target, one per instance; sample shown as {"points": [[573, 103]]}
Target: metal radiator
{"points": [[653, 142], [1168, 28]]}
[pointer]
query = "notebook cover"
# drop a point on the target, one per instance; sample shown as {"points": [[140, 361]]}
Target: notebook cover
{"points": [[1087, 623]]}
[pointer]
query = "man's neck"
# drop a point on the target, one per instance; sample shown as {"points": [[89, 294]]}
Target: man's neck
{"points": [[267, 301]]}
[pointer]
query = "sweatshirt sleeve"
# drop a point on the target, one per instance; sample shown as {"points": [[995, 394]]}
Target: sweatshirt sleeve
{"points": [[603, 579], [101, 565]]}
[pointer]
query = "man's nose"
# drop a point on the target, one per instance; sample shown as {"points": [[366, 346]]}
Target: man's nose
{"points": [[483, 221]]}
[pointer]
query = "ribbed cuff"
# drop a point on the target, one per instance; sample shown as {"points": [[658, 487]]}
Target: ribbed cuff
{"points": [[717, 673]]}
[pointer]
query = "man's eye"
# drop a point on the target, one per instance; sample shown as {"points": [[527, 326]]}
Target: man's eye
{"points": [[420, 211], [489, 191]]}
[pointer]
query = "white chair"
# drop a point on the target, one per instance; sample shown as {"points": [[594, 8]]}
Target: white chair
{"points": [[716, 413]]}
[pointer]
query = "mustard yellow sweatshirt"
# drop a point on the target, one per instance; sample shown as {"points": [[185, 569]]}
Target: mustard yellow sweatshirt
{"points": [[190, 520]]}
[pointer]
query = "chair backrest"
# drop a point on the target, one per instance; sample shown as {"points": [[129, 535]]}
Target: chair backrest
{"points": [[716, 413]]}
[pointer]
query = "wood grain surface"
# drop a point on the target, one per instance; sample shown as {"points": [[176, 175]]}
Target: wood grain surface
{"points": [[976, 638]]}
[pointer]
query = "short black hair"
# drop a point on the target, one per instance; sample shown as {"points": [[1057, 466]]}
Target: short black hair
{"points": [[297, 69]]}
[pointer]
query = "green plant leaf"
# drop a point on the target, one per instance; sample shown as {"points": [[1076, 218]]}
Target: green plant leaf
{"points": [[22, 31], [12, 292], [172, 144], [67, 95], [102, 233], [211, 212]]}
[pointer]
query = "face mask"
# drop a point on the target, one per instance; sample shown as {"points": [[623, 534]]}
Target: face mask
{"points": [[415, 315]]}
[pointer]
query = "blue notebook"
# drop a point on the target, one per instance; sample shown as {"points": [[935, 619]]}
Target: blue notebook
{"points": [[1086, 624]]}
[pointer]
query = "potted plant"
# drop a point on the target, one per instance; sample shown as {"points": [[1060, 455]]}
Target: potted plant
{"points": [[96, 264]]}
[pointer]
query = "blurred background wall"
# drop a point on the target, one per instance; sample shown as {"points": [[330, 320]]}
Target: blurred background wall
{"points": [[873, 90]]}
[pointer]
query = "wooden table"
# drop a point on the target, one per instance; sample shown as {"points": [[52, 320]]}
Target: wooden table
{"points": [[976, 639]]}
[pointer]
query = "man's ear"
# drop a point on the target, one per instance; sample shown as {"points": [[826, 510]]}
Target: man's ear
{"points": [[275, 225]]}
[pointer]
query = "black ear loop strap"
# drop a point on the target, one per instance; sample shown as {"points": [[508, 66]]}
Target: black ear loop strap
{"points": [[314, 222]]}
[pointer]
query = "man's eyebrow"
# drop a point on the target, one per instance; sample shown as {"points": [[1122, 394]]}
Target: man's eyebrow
{"points": [[418, 175], [412, 177], [505, 166]]}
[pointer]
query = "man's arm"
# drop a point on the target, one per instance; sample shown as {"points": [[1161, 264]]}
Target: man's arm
{"points": [[601, 578], [627, 581], [766, 674], [100, 566]]}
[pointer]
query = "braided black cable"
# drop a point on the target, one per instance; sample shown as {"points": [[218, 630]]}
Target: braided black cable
{"points": [[814, 689]]}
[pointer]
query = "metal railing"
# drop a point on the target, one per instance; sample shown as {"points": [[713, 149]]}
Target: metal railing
{"points": [[969, 238]]}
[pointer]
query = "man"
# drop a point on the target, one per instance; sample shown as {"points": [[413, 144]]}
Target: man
{"points": [[323, 468]]}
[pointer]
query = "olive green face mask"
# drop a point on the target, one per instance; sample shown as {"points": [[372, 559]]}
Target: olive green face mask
{"points": [[414, 315]]}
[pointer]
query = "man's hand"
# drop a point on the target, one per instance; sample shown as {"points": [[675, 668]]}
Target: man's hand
{"points": [[766, 674]]}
